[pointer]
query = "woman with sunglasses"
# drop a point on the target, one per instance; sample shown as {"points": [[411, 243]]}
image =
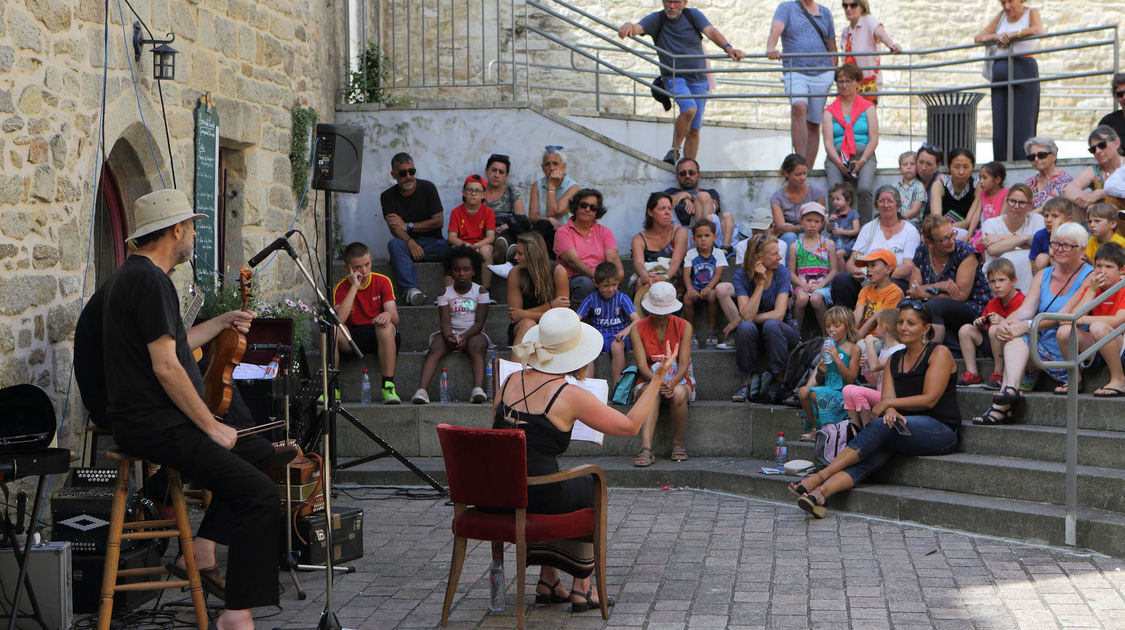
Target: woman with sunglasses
{"points": [[1049, 292], [918, 410], [851, 134], [947, 272], [1105, 146], [506, 204], [1010, 234], [1008, 32], [863, 34], [583, 244], [761, 288], [1049, 180]]}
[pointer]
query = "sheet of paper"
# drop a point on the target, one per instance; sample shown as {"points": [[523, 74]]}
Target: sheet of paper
{"points": [[249, 371], [596, 386]]}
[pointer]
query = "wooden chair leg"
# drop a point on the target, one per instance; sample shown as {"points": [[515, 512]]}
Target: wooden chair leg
{"points": [[599, 570], [455, 566], [113, 546], [187, 545], [521, 563]]}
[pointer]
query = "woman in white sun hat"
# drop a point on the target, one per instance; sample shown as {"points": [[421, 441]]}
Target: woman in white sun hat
{"points": [[538, 402], [652, 337]]}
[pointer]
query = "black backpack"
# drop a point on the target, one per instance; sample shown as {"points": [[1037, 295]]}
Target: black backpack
{"points": [[800, 363], [658, 82]]}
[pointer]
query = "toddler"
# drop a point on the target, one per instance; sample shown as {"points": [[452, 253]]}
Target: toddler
{"points": [[702, 272], [877, 350], [910, 189], [844, 223], [822, 396]]}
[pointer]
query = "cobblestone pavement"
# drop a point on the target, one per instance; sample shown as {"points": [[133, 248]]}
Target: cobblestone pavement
{"points": [[691, 559]]}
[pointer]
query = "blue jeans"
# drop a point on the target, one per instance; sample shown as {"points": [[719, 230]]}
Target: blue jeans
{"points": [[685, 87], [877, 442], [403, 263], [776, 338]]}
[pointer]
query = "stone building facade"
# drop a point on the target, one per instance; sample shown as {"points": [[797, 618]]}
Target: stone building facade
{"points": [[66, 200]]}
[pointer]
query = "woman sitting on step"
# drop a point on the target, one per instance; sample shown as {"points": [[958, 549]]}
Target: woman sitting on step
{"points": [[535, 285], [918, 410]]}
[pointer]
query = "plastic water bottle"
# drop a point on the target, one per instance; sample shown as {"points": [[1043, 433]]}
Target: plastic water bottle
{"points": [[365, 388], [781, 451], [444, 385], [488, 376], [826, 351], [496, 582]]}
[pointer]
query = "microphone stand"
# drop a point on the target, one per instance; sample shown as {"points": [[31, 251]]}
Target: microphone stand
{"points": [[327, 320]]}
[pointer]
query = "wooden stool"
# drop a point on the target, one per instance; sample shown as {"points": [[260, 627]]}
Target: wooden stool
{"points": [[146, 530], [90, 442]]}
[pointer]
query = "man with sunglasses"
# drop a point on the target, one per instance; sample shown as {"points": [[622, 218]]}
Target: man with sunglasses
{"points": [[678, 30], [414, 215], [1116, 118], [692, 203]]}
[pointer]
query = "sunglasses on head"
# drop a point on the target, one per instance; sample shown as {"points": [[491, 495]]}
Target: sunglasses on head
{"points": [[587, 205], [914, 305], [403, 172], [1098, 147], [930, 148], [1042, 155], [688, 171], [553, 147]]}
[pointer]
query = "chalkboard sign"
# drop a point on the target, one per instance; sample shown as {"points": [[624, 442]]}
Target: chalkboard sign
{"points": [[207, 188]]}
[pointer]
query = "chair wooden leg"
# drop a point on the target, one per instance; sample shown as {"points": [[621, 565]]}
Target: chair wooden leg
{"points": [[599, 569], [113, 546], [187, 545], [521, 562], [455, 566]]}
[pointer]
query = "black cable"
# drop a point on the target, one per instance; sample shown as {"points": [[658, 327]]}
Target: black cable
{"points": [[316, 261], [159, 90]]}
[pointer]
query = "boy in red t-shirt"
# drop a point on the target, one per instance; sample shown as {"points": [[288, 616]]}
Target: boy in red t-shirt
{"points": [[365, 302], [1001, 274], [1109, 265], [473, 223]]}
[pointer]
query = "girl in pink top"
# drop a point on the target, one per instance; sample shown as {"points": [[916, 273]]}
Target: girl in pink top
{"points": [[991, 199]]}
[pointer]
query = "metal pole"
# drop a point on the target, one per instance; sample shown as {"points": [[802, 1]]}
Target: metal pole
{"points": [[1072, 438], [598, 83], [1011, 105]]}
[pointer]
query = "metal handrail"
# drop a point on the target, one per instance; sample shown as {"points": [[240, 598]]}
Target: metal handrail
{"points": [[1071, 366]]}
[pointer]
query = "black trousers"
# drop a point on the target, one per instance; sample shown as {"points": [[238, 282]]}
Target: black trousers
{"points": [[244, 508], [1025, 113]]}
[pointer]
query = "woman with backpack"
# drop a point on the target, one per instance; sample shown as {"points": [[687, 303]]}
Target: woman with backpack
{"points": [[918, 409]]}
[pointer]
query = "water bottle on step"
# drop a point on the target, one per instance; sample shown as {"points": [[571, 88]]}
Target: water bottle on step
{"points": [[781, 451], [365, 388], [496, 583], [444, 385]]}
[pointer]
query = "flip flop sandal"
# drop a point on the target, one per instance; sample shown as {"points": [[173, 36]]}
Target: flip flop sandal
{"points": [[552, 598], [679, 455], [741, 396], [1115, 393], [644, 459], [994, 416], [809, 504]]}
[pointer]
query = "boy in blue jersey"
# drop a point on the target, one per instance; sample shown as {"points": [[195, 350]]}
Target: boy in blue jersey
{"points": [[612, 313], [703, 268]]}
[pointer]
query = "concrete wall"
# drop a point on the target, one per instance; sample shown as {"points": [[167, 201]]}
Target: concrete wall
{"points": [[257, 59], [448, 144]]}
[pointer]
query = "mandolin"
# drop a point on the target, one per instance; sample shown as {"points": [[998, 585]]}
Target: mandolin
{"points": [[225, 354]]}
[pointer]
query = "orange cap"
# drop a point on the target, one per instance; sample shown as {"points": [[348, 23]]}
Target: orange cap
{"points": [[884, 255]]}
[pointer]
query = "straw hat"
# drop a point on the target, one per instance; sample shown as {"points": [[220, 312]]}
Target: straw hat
{"points": [[661, 299], [560, 343], [159, 209]]}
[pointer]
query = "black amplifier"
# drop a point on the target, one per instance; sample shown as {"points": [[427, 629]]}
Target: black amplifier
{"points": [[347, 536], [89, 567], [80, 510]]}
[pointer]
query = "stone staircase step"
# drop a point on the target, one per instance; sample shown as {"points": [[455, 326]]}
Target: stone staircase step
{"points": [[417, 323], [1031, 521], [1044, 409]]}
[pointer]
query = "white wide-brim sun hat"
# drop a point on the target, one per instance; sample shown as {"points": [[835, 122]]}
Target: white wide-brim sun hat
{"points": [[661, 299], [560, 344], [160, 209]]}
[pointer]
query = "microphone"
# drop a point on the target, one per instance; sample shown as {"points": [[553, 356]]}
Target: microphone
{"points": [[281, 242]]}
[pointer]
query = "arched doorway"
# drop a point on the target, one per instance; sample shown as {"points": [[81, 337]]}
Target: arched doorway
{"points": [[109, 228]]}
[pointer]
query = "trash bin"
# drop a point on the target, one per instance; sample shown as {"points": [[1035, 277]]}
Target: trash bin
{"points": [[951, 119]]}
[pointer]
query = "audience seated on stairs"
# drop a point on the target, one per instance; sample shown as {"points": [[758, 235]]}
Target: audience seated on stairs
{"points": [[462, 311], [652, 337], [692, 203], [876, 350], [414, 216], [550, 196], [918, 410], [535, 285], [611, 313], [703, 270], [365, 302], [473, 223], [583, 243], [1001, 274], [760, 222], [1056, 211], [506, 204], [1109, 264], [659, 248]]}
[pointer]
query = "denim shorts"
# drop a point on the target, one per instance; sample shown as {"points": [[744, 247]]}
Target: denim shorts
{"points": [[691, 87], [799, 86]]}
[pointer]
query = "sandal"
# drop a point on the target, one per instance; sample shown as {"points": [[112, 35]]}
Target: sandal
{"points": [[552, 597], [808, 437], [1062, 390], [798, 489], [813, 504], [678, 453], [994, 416], [589, 603], [1014, 399], [644, 459], [742, 395]]}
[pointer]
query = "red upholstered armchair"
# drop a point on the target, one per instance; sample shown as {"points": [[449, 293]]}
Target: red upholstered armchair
{"points": [[487, 468]]}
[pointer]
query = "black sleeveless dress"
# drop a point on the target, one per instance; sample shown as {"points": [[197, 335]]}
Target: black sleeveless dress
{"points": [[545, 442], [913, 382]]}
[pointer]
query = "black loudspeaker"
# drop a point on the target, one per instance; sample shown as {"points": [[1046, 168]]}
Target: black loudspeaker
{"points": [[339, 158]]}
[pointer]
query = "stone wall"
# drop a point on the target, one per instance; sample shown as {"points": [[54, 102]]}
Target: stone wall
{"points": [[257, 59], [1070, 107]]}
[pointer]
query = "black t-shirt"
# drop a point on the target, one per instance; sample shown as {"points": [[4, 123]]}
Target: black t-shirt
{"points": [[1116, 121], [141, 306], [419, 206], [89, 359]]}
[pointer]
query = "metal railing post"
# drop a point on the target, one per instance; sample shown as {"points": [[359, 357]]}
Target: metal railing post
{"points": [[1071, 533], [1011, 105], [598, 83]]}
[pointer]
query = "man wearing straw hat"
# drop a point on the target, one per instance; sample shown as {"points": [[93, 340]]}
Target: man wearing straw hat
{"points": [[155, 401]]}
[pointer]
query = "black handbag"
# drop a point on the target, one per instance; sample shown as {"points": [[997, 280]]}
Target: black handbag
{"points": [[658, 82]]}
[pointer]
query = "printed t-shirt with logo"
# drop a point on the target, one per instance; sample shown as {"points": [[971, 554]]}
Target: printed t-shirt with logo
{"points": [[472, 228], [608, 316], [875, 300], [463, 306], [703, 269]]}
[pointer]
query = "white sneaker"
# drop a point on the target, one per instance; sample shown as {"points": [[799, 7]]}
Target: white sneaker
{"points": [[478, 396], [414, 297], [420, 397]]}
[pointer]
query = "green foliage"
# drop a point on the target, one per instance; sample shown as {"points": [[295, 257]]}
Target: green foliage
{"points": [[299, 312], [229, 298], [366, 83], [218, 301], [304, 121]]}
